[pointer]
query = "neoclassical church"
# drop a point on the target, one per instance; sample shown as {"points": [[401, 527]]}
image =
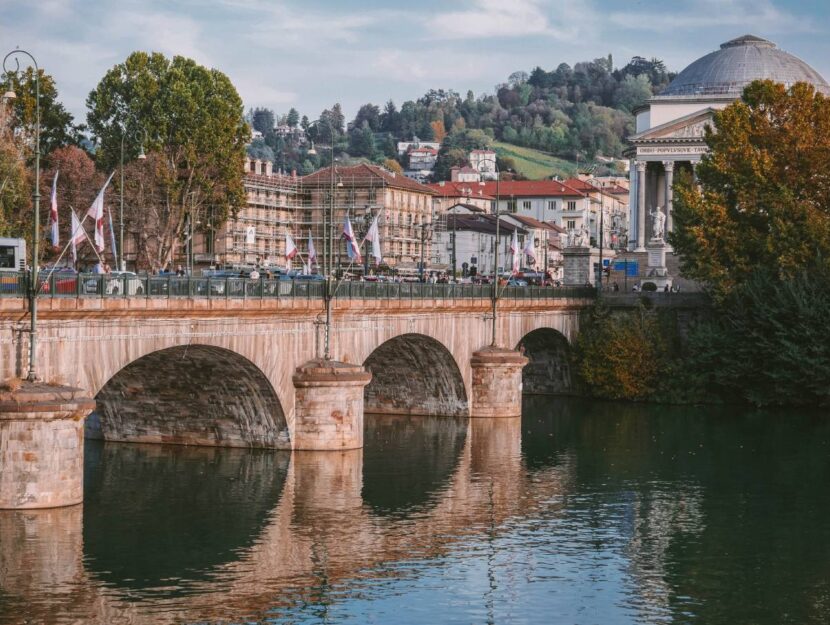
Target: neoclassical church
{"points": [[669, 127]]}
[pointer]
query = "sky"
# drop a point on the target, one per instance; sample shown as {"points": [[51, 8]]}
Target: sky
{"points": [[311, 53]]}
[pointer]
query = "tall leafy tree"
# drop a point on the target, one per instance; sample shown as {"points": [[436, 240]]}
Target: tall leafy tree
{"points": [[193, 117], [263, 120], [763, 199], [293, 118], [57, 126]]}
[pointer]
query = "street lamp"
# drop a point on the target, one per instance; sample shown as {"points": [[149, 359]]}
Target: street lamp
{"points": [[495, 295], [327, 241], [601, 231], [141, 156], [33, 286]]}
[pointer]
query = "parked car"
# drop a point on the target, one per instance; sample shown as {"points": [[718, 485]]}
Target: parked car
{"points": [[116, 282], [516, 282]]}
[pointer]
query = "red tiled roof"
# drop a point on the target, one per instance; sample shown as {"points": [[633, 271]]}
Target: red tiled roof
{"points": [[461, 189], [531, 188], [365, 175], [425, 150], [534, 223]]}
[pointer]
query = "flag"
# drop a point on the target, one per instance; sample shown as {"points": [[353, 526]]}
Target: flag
{"points": [[352, 248], [290, 249], [529, 251], [112, 242], [312, 253], [96, 211], [374, 236], [514, 249], [53, 212], [76, 237]]}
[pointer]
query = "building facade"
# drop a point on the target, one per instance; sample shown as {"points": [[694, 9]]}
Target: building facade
{"points": [[256, 236], [669, 137], [404, 209]]}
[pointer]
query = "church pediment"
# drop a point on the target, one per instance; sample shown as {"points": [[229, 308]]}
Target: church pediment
{"points": [[691, 126]]}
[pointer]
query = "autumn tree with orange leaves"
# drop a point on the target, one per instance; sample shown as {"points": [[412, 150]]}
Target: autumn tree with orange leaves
{"points": [[762, 198]]}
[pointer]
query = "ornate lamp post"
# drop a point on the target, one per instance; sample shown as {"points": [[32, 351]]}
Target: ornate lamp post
{"points": [[495, 294], [328, 219], [125, 132], [33, 285]]}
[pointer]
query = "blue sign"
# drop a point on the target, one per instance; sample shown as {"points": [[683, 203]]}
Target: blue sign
{"points": [[630, 267]]}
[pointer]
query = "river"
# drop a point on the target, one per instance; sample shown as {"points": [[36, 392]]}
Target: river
{"points": [[579, 512]]}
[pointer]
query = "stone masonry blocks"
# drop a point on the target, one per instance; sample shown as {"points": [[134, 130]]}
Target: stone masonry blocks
{"points": [[328, 405], [497, 382]]}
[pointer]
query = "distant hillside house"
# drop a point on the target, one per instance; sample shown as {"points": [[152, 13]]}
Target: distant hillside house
{"points": [[484, 162]]}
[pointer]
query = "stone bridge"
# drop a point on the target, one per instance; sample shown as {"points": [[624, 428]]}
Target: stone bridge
{"points": [[247, 373]]}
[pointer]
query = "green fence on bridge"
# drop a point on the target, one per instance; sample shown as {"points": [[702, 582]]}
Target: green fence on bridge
{"points": [[132, 286]]}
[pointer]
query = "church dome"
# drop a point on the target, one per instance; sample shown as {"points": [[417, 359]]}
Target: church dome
{"points": [[725, 72]]}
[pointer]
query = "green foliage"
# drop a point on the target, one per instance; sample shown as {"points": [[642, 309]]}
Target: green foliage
{"points": [[768, 343], [362, 141], [193, 118], [618, 356], [263, 120], [57, 127], [456, 148], [764, 196]]}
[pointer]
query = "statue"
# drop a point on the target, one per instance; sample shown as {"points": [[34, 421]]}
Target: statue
{"points": [[658, 223], [571, 237]]}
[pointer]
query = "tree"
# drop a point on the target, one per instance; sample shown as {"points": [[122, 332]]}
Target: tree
{"points": [[78, 184], [293, 118], [632, 92], [263, 120], [619, 356], [362, 141], [438, 130], [259, 150], [193, 117], [392, 165], [764, 195], [370, 114], [57, 127], [15, 188]]}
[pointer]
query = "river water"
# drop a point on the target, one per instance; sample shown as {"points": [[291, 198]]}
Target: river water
{"points": [[579, 512]]}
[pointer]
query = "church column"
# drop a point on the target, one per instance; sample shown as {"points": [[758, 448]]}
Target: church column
{"points": [[641, 206], [669, 167]]}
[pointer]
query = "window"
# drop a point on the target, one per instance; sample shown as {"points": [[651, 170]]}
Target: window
{"points": [[526, 205], [511, 206], [571, 224], [551, 205], [571, 205], [373, 196]]}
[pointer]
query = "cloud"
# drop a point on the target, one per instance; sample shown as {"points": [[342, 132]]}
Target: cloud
{"points": [[497, 18], [748, 15]]}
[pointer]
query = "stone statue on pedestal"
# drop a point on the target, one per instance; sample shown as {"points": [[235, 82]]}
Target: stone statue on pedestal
{"points": [[658, 224]]}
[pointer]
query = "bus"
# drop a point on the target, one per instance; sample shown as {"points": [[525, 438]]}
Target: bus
{"points": [[12, 261], [12, 255]]}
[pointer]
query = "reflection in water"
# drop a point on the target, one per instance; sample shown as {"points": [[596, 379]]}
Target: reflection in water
{"points": [[409, 459], [593, 512], [160, 516]]}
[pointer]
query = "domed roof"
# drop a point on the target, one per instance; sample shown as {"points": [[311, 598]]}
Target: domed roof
{"points": [[727, 71]]}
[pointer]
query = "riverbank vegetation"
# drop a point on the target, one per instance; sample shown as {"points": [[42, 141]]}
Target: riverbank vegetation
{"points": [[755, 230]]}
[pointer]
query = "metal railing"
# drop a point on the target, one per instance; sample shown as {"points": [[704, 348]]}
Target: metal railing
{"points": [[62, 285]]}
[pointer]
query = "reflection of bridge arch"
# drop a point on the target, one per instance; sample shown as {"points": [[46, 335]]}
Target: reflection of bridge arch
{"points": [[548, 371], [192, 394], [320, 533], [417, 375], [395, 483], [139, 532]]}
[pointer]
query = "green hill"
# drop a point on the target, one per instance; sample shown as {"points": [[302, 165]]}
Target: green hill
{"points": [[534, 164]]}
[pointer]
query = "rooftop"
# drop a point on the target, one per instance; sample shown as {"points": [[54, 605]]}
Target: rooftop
{"points": [[738, 62], [365, 175]]}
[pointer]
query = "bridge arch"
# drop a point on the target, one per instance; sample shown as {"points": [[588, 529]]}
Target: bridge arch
{"points": [[548, 371], [414, 374], [191, 395]]}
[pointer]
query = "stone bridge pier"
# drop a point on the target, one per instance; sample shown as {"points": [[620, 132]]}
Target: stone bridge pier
{"points": [[245, 373]]}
